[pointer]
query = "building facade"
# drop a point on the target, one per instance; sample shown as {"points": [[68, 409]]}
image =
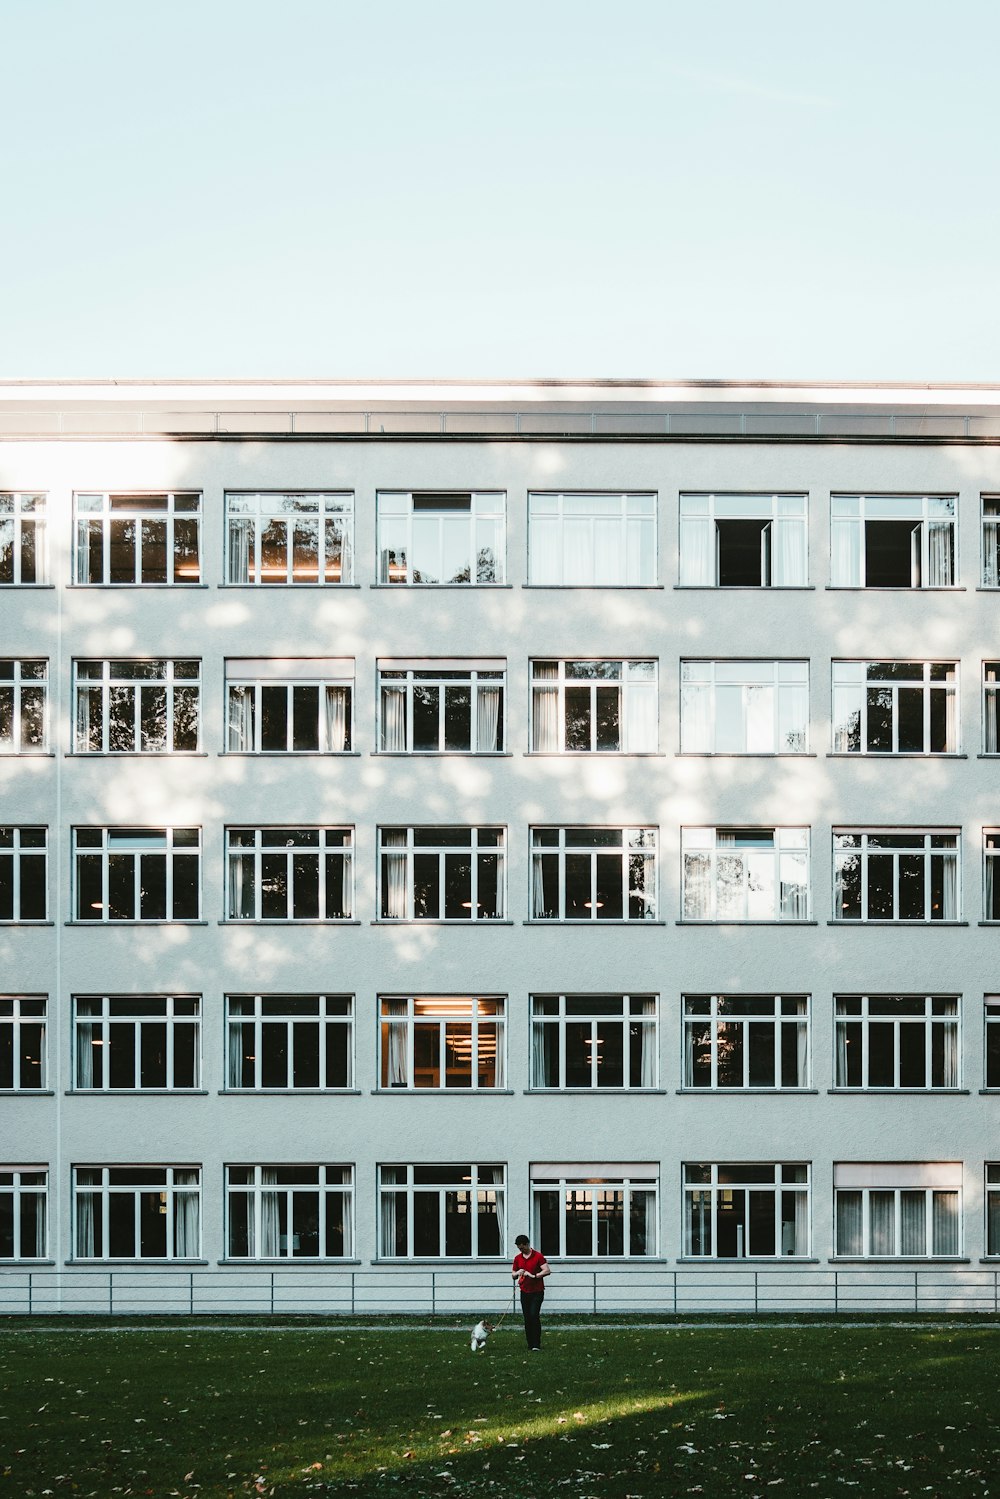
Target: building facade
{"points": [[430, 812]]}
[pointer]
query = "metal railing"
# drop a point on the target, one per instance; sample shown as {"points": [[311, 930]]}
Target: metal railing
{"points": [[453, 1292]]}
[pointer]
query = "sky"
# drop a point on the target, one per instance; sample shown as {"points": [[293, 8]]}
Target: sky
{"points": [[462, 188]]}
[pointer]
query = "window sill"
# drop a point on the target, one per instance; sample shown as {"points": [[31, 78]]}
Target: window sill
{"points": [[932, 925], [136, 754], [596, 1092], [152, 1264], [287, 1262], [441, 754], [987, 923], [289, 754], [580, 923], [276, 587], [442, 1092], [27, 1093], [289, 921], [129, 1092], [417, 1262], [608, 1259], [993, 755], [893, 1259], [593, 754], [92, 587], [423, 587], [455, 921], [746, 755], [869, 756], [908, 1092], [745, 587], [289, 1092], [989, 1090], [99, 925], [752, 1092], [41, 588], [6, 923], [748, 1259], [603, 587], [27, 754], [737, 921], [879, 588]]}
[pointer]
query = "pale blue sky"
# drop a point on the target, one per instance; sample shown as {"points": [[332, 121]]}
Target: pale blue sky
{"points": [[393, 188]]}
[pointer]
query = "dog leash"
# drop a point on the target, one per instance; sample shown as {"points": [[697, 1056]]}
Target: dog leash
{"points": [[508, 1309]]}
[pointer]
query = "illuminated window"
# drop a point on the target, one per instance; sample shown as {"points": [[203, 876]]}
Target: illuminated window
{"points": [[737, 1210], [282, 539], [441, 1041]]}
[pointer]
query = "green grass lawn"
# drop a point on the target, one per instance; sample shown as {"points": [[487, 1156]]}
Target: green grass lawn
{"points": [[608, 1411]]}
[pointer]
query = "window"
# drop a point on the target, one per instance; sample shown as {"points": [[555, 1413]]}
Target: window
{"points": [[137, 874], [442, 1041], [746, 1041], [991, 541], [23, 715], [892, 541], [440, 538], [289, 874], [743, 540], [991, 874], [895, 707], [745, 874], [593, 874], [991, 707], [441, 1212], [991, 1006], [593, 1041], [901, 874], [594, 1210], [138, 538], [137, 707], [289, 1212], [744, 707], [23, 874], [22, 1042], [592, 540], [289, 538], [289, 1041], [992, 1208], [136, 1212], [22, 539], [441, 707], [442, 874], [593, 706], [23, 1191], [897, 1041], [136, 1041], [898, 1209], [741, 1210], [289, 706]]}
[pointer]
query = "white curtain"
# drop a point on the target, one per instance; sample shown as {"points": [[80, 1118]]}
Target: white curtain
{"points": [[950, 1058], [86, 1246], [545, 710], [240, 536], [39, 1202], [950, 901], [242, 704], [697, 561], [338, 719], [647, 1055], [394, 903], [944, 1223], [577, 551], [537, 886], [850, 1223], [86, 720], [186, 1215], [788, 557], [234, 1053], [940, 572], [696, 717], [542, 1039], [270, 1216], [394, 719], [845, 559], [758, 718], [86, 1033], [991, 553], [991, 711], [388, 1206], [794, 887], [951, 721], [841, 1039], [397, 1031], [640, 717], [801, 1223], [802, 1048], [991, 892], [500, 1042], [487, 718], [881, 1223], [912, 1223], [241, 886]]}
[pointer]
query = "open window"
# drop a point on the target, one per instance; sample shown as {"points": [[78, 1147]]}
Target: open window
{"points": [[743, 540], [892, 541]]}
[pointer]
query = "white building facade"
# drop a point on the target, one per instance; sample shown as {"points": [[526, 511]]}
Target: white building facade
{"points": [[434, 812]]}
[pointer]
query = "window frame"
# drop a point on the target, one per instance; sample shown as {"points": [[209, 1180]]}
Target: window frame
{"points": [[991, 708], [989, 576], [647, 537], [798, 1023], [783, 691], [16, 685], [408, 851], [106, 513], [991, 876], [491, 511], [405, 1025], [841, 517], [647, 1022], [780, 850], [631, 691], [599, 1180], [327, 1021], [106, 1189], [19, 1019], [291, 675], [404, 676], [107, 684], [260, 849], [715, 1189], [478, 1188], [924, 849], [171, 851], [896, 1177], [645, 848], [991, 1052], [173, 1021], [17, 851], [991, 1209], [25, 510], [701, 511], [841, 686], [932, 1021], [21, 1192], [325, 1188], [330, 506]]}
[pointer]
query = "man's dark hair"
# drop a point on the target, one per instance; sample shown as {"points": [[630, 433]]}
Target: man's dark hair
{"points": [[522, 1239]]}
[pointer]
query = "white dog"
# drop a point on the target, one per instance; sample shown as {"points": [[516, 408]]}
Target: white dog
{"points": [[480, 1333]]}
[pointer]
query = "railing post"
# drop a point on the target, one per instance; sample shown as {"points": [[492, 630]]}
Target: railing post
{"points": [[756, 1306], [111, 1293], [675, 1292], [352, 1292], [190, 1293], [916, 1291], [30, 1292], [836, 1293], [272, 1293], [433, 1293], [594, 1298]]}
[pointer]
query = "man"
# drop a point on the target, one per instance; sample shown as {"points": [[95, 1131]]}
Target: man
{"points": [[529, 1270]]}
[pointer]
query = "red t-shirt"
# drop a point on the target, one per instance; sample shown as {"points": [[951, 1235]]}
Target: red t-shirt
{"points": [[531, 1264]]}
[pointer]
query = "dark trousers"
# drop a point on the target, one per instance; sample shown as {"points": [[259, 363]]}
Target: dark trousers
{"points": [[531, 1310]]}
